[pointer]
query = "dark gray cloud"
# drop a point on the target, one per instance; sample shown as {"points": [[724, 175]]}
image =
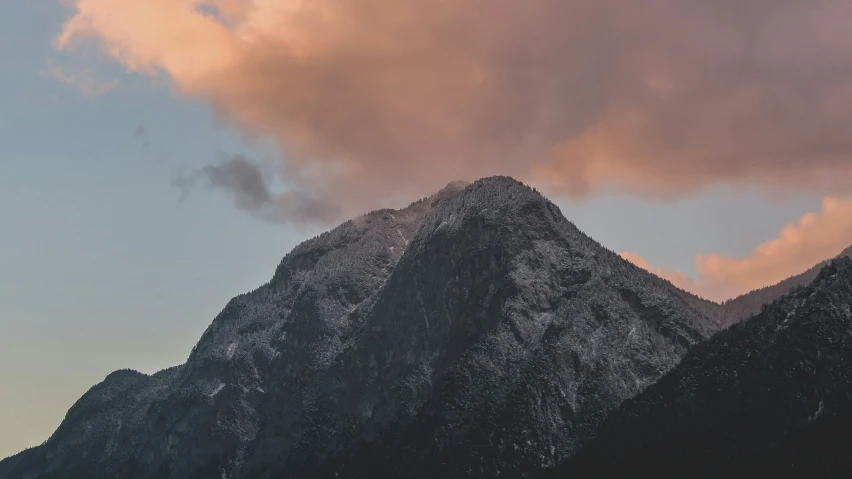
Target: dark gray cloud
{"points": [[141, 133], [246, 183]]}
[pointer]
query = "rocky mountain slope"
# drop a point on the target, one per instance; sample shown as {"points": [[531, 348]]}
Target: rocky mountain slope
{"points": [[476, 331], [770, 394]]}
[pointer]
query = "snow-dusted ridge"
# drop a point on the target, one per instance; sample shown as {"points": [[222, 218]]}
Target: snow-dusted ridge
{"points": [[478, 321]]}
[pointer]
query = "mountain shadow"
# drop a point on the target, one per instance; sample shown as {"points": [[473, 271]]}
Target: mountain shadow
{"points": [[772, 394]]}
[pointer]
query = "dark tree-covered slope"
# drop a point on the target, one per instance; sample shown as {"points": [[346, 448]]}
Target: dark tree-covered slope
{"points": [[473, 333], [770, 394], [749, 304]]}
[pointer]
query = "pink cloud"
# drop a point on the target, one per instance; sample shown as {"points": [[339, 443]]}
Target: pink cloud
{"points": [[84, 81], [675, 277], [658, 98], [799, 245]]}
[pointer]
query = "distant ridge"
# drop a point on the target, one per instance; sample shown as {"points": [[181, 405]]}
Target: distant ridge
{"points": [[769, 395], [749, 304]]}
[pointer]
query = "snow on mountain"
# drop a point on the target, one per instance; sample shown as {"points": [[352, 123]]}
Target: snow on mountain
{"points": [[476, 331]]}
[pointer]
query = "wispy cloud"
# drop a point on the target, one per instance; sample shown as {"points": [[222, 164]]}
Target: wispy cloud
{"points": [[141, 133], [85, 80], [246, 183]]}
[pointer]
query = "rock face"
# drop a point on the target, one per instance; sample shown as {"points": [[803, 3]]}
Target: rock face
{"points": [[772, 394], [474, 332]]}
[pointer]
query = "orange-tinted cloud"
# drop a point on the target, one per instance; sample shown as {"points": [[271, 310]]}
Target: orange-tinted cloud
{"points": [[659, 97], [800, 245], [675, 277]]}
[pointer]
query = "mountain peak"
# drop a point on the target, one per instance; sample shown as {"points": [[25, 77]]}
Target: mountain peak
{"points": [[500, 183], [474, 321], [454, 186], [497, 193]]}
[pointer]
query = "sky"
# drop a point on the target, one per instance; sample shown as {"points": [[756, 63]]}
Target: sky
{"points": [[159, 157]]}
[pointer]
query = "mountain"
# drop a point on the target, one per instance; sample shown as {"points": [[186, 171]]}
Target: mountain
{"points": [[474, 332], [771, 394]]}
